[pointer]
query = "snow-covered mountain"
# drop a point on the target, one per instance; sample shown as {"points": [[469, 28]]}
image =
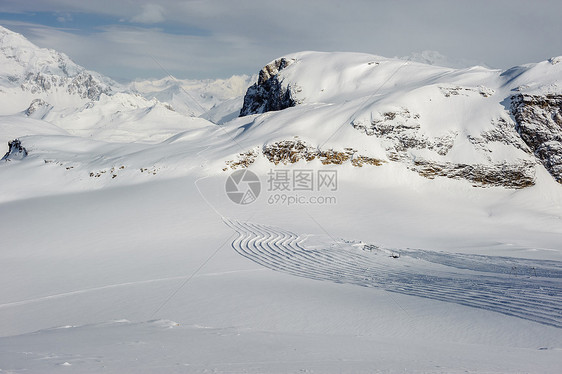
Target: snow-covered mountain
{"points": [[47, 85], [194, 97], [487, 126], [25, 68]]}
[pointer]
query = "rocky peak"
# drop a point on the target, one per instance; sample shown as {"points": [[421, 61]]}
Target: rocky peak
{"points": [[269, 94], [38, 109], [272, 69], [39, 70], [16, 151]]}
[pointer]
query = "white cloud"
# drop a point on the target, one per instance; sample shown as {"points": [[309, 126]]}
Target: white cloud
{"points": [[64, 17], [151, 13], [130, 52], [438, 59], [216, 38]]}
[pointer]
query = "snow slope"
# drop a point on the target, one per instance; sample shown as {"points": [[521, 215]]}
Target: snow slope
{"points": [[121, 251], [157, 251], [193, 97]]}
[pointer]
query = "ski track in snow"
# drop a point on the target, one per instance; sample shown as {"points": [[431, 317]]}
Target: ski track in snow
{"points": [[111, 286], [527, 289]]}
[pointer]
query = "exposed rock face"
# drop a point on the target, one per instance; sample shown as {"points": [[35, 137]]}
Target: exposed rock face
{"points": [[82, 84], [539, 122], [503, 132], [38, 109], [271, 70], [288, 152], [508, 175], [87, 87], [15, 152], [291, 151], [269, 93], [401, 131]]}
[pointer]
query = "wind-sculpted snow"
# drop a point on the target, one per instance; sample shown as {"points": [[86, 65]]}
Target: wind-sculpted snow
{"points": [[527, 289]]}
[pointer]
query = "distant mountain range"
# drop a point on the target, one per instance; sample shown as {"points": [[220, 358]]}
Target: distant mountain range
{"points": [[47, 85]]}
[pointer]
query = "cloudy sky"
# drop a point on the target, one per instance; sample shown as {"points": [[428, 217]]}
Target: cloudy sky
{"points": [[128, 39]]}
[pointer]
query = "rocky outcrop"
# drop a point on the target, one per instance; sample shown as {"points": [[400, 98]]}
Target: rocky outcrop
{"points": [[508, 175], [292, 151], [539, 123], [38, 109], [288, 152], [272, 69], [87, 87], [401, 131], [15, 152], [269, 93], [82, 84], [503, 131]]}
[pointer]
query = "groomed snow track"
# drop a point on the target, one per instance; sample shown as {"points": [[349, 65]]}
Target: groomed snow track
{"points": [[528, 289]]}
